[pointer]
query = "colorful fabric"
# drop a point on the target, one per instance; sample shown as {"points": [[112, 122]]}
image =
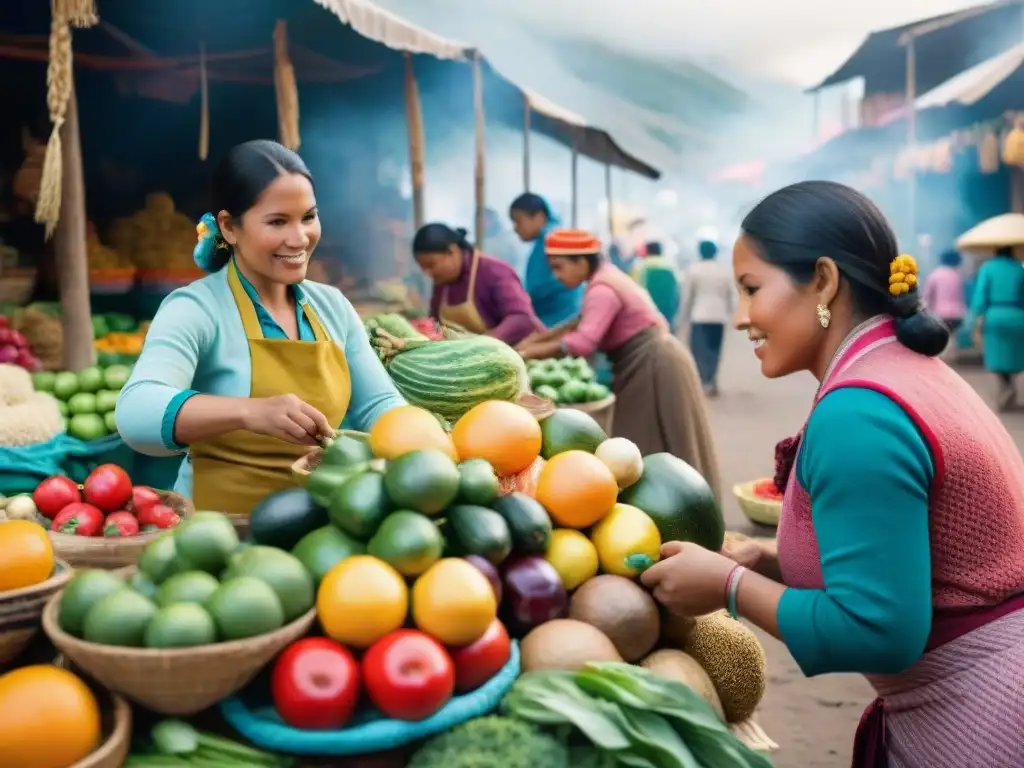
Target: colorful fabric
{"points": [[999, 301], [499, 297], [659, 278], [553, 303], [615, 309], [944, 293]]}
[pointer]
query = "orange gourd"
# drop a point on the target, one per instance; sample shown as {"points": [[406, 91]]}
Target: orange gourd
{"points": [[577, 489], [26, 554], [504, 434], [48, 718], [406, 429]]}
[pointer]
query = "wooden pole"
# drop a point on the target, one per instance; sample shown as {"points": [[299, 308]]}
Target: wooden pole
{"points": [[912, 138], [608, 201], [527, 113], [575, 185], [417, 152], [480, 170], [69, 247]]}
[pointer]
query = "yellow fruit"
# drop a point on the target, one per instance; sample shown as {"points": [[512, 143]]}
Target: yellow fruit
{"points": [[406, 429], [574, 557], [26, 554], [454, 602], [625, 531], [360, 600]]}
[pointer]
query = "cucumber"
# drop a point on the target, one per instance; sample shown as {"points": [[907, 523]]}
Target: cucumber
{"points": [[479, 531], [528, 523]]}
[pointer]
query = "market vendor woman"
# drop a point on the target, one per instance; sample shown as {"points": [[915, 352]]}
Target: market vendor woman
{"points": [[248, 368], [659, 404], [477, 292]]}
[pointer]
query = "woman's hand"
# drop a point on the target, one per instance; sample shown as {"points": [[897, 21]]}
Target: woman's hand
{"points": [[689, 580], [288, 418], [757, 555]]}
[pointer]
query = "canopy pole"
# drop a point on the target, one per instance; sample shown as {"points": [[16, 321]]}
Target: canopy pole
{"points": [[608, 200], [911, 98], [417, 153], [575, 185], [527, 113], [480, 171], [69, 246]]}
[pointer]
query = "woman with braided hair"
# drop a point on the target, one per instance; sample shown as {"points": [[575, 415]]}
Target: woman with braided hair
{"points": [[900, 547]]}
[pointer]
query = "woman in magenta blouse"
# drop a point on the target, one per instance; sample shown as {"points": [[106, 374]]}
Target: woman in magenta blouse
{"points": [[477, 292], [659, 402]]}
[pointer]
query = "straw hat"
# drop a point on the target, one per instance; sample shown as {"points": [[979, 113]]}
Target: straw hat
{"points": [[571, 242], [999, 232]]}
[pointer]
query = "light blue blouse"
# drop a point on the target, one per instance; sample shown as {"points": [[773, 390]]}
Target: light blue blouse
{"points": [[196, 344]]}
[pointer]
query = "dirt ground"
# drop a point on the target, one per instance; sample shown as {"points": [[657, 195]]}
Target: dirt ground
{"points": [[812, 720]]}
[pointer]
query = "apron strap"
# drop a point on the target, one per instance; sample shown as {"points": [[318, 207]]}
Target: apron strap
{"points": [[314, 322], [250, 322], [474, 261]]}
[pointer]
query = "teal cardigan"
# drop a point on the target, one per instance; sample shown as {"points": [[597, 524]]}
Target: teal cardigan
{"points": [[868, 470], [196, 344]]}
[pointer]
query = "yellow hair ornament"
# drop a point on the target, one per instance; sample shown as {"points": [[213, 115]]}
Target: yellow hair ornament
{"points": [[902, 275], [201, 230]]}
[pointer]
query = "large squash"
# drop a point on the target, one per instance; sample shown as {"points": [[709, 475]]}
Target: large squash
{"points": [[679, 500]]}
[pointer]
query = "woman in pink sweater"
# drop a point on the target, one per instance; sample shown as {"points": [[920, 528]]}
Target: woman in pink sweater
{"points": [[659, 403], [944, 291]]}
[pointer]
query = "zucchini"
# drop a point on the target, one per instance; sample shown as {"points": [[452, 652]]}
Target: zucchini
{"points": [[479, 531], [527, 522]]}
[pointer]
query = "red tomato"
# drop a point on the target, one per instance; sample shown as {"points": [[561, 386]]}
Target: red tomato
{"points": [[408, 675], [143, 497], [79, 519], [55, 493], [158, 516], [120, 524], [315, 684], [108, 488], [478, 662]]}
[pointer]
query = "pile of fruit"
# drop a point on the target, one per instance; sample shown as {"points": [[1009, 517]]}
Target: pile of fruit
{"points": [[87, 398], [118, 338], [565, 381], [39, 324], [195, 585], [27, 417], [105, 262], [107, 504], [156, 238], [15, 349]]}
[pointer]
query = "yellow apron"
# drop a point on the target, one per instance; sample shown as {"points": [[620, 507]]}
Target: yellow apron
{"points": [[234, 472], [465, 314]]}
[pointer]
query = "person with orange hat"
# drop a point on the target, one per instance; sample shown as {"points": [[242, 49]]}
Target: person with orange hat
{"points": [[659, 403]]}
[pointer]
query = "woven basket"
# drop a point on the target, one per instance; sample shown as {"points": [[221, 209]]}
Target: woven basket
{"points": [[16, 285], [178, 681], [539, 406], [756, 508], [602, 411], [20, 610], [114, 750], [309, 462], [113, 552]]}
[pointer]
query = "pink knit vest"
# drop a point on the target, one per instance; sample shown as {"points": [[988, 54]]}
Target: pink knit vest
{"points": [[976, 504], [638, 308]]}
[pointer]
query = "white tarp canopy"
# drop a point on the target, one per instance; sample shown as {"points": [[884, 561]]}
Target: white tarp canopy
{"points": [[382, 26], [972, 85]]}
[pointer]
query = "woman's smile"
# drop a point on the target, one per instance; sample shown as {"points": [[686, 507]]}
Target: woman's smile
{"points": [[295, 262]]}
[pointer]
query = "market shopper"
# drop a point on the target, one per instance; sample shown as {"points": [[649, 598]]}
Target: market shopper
{"points": [[997, 307], [249, 367], [900, 547], [658, 402], [477, 292], [709, 299], [553, 302], [944, 293], [659, 278]]}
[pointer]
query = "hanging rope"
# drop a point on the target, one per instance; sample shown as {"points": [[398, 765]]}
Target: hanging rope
{"points": [[64, 15], [286, 88]]}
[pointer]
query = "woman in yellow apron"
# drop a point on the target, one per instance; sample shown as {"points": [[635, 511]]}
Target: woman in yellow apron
{"points": [[477, 292], [247, 368]]}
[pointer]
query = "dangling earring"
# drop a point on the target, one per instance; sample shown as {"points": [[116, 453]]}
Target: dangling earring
{"points": [[824, 315]]}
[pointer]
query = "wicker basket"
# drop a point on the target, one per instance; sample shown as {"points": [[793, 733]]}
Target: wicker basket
{"points": [[539, 406], [178, 681], [602, 411], [16, 285], [756, 508], [20, 610], [114, 552], [309, 462], [114, 750]]}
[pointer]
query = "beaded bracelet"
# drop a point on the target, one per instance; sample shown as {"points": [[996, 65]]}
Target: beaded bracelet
{"points": [[733, 587]]}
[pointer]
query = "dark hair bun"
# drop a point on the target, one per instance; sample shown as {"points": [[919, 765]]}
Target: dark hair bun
{"points": [[916, 327]]}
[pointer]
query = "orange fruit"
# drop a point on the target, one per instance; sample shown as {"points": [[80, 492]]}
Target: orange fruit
{"points": [[48, 718], [504, 434], [26, 554], [454, 602], [360, 600], [406, 429], [577, 489]]}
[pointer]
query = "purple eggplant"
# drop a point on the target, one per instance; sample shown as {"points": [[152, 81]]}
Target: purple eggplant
{"points": [[485, 567], [534, 593]]}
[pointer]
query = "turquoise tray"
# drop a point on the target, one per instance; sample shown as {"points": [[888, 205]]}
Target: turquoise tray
{"points": [[369, 732]]}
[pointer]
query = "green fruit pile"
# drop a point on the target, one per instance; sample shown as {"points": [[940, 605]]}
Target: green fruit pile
{"points": [[565, 381], [195, 585], [87, 398]]}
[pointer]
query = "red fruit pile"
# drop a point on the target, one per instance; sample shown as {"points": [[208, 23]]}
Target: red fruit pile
{"points": [[15, 349], [107, 504]]}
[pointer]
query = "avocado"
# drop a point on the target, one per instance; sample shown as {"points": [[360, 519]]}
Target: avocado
{"points": [[324, 548], [407, 541], [284, 517], [478, 483], [120, 618], [159, 559], [360, 505], [182, 625], [479, 531], [324, 481], [187, 587], [245, 607], [81, 594], [282, 572], [422, 481], [570, 430], [345, 451], [204, 542]]}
